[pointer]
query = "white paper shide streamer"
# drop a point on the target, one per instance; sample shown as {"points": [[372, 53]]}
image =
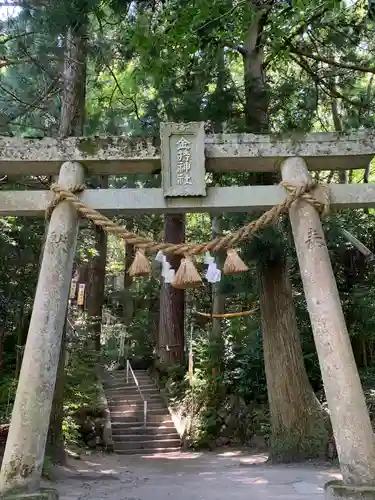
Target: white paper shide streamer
{"points": [[166, 271], [160, 257], [213, 274]]}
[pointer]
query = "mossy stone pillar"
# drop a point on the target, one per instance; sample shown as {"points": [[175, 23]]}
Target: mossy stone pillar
{"points": [[24, 453], [350, 419]]}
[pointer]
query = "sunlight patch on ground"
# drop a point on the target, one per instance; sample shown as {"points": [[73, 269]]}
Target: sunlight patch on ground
{"points": [[254, 459], [173, 456], [235, 453], [334, 475]]}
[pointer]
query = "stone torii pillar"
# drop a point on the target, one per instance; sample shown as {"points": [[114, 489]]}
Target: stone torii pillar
{"points": [[24, 453], [349, 416]]}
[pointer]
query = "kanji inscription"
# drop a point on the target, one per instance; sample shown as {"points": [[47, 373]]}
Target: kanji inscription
{"points": [[184, 162], [314, 239], [182, 159]]}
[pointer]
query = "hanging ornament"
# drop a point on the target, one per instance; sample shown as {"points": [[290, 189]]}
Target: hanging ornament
{"points": [[187, 276], [233, 263], [140, 265]]}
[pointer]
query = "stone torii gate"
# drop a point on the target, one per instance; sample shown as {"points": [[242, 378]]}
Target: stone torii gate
{"points": [[184, 157]]}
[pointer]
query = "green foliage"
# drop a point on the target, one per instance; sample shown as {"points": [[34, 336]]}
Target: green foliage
{"points": [[47, 468], [82, 388], [8, 388], [230, 402], [183, 61]]}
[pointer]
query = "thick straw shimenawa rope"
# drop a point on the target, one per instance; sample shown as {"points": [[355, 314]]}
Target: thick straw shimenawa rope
{"points": [[222, 242], [60, 197]]}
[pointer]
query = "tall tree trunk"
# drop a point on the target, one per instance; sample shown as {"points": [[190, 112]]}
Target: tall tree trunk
{"points": [[343, 175], [128, 307], [2, 338], [218, 304], [96, 288], [298, 429], [171, 341], [23, 330], [71, 124], [298, 422]]}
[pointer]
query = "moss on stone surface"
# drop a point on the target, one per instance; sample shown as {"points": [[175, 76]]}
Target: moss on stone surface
{"points": [[334, 490], [42, 494], [88, 146], [17, 468]]}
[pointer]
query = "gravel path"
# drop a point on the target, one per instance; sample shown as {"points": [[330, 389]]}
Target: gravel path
{"points": [[189, 476]]}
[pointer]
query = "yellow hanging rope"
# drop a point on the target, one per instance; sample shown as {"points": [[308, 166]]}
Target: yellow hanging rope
{"points": [[226, 315]]}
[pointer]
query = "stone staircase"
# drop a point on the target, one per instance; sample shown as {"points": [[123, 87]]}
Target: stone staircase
{"points": [[129, 435]]}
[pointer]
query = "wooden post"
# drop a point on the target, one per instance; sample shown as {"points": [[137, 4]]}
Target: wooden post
{"points": [[350, 419], [24, 453]]}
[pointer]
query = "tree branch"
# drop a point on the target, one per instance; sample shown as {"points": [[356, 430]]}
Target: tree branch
{"points": [[326, 88], [14, 37], [331, 62], [295, 33], [4, 61]]}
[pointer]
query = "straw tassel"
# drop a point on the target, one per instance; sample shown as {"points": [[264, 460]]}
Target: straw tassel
{"points": [[186, 276], [140, 265], [234, 264]]}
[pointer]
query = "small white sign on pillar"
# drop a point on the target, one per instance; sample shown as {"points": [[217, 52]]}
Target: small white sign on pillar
{"points": [[183, 159]]}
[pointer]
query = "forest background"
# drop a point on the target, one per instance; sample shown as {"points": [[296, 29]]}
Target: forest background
{"points": [[111, 67]]}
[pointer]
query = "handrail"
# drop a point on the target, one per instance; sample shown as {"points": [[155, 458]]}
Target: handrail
{"points": [[129, 368]]}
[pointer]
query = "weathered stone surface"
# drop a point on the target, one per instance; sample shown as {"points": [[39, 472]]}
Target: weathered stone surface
{"points": [[151, 200], [337, 490], [107, 431], [24, 452], [98, 154], [350, 419], [224, 153], [182, 159], [42, 494]]}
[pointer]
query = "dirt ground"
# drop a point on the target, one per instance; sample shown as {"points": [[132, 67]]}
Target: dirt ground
{"points": [[221, 475]]}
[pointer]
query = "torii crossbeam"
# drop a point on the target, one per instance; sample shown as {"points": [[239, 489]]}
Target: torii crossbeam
{"points": [[184, 156]]}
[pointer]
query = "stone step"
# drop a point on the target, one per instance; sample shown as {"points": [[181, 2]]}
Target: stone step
{"points": [[130, 387], [138, 410], [141, 383], [122, 376], [137, 418], [132, 430], [145, 438], [126, 395], [142, 445], [117, 380], [126, 400], [147, 451], [151, 426], [123, 406], [118, 396], [130, 390], [138, 376]]}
